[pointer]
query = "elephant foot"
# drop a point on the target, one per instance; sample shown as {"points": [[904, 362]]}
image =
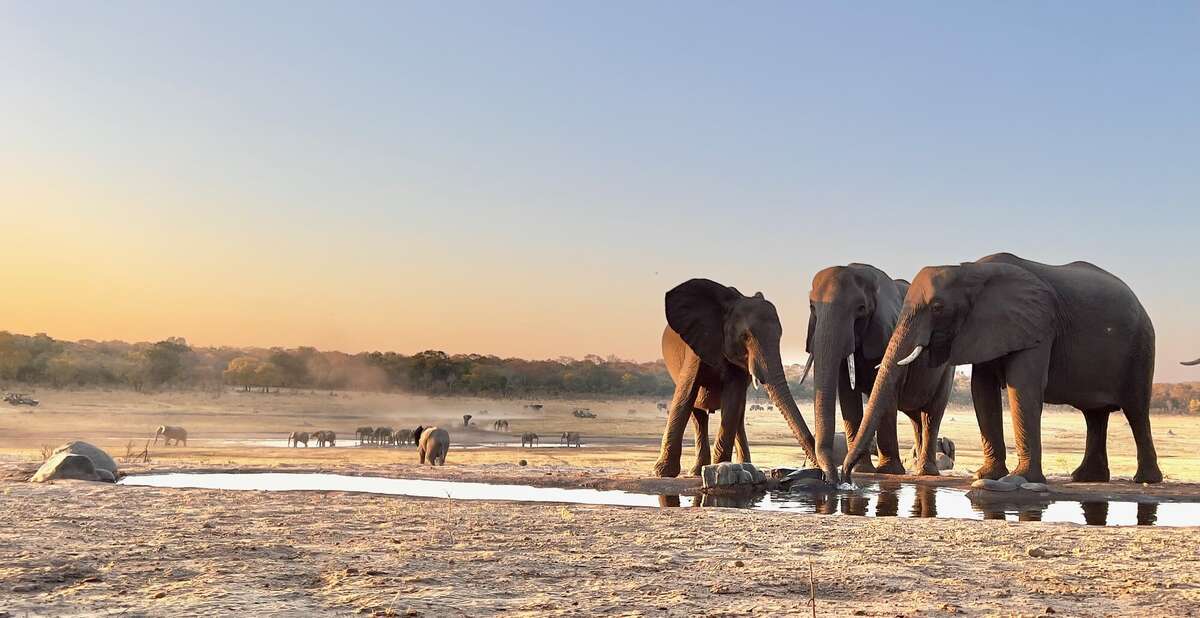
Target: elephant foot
{"points": [[865, 466], [890, 466], [927, 469], [1149, 474], [666, 469], [1030, 473], [1086, 473], [994, 470]]}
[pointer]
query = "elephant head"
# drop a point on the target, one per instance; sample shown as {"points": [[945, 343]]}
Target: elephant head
{"points": [[851, 317], [738, 336], [961, 315], [159, 433]]}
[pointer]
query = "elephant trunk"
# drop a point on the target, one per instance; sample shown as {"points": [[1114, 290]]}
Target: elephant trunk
{"points": [[833, 342], [781, 396], [884, 393]]}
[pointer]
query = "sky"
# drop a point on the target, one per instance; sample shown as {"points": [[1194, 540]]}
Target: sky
{"points": [[528, 178]]}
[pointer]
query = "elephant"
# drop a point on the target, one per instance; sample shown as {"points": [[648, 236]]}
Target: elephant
{"points": [[717, 341], [569, 438], [364, 434], [467, 420], [325, 438], [170, 432], [296, 437], [500, 425], [403, 436], [529, 438], [432, 446], [383, 435], [852, 313], [1069, 334]]}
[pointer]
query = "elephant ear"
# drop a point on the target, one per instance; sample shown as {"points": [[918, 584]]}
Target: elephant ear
{"points": [[696, 310], [889, 299], [1011, 310]]}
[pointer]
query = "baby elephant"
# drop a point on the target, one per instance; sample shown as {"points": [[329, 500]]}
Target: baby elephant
{"points": [[432, 446]]}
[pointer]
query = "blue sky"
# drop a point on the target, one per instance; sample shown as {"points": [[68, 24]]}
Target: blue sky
{"points": [[528, 178]]}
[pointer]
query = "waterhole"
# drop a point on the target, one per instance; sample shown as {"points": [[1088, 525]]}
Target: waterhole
{"points": [[886, 499]]}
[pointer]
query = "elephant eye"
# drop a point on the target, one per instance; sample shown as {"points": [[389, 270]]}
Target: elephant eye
{"points": [[862, 310], [937, 307]]}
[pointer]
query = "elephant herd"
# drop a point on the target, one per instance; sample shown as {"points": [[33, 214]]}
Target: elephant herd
{"points": [[1072, 334], [385, 436], [323, 438]]}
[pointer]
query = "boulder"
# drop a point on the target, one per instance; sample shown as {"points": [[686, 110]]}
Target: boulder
{"points": [[66, 466], [100, 459], [105, 475], [1013, 479], [810, 484], [944, 462], [991, 485], [730, 474], [1038, 487]]}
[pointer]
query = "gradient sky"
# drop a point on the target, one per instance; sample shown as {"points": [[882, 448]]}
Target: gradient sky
{"points": [[529, 178]]}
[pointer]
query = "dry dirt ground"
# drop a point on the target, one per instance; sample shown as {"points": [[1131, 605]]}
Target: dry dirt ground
{"points": [[71, 548]]}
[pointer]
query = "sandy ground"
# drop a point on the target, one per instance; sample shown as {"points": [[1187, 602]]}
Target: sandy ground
{"points": [[71, 548]]}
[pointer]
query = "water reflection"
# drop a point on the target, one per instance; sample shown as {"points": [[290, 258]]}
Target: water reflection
{"points": [[882, 499]]}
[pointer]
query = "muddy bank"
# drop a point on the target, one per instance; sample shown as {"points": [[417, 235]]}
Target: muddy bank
{"points": [[95, 549]]}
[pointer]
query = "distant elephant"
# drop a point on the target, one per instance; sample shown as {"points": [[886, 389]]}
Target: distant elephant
{"points": [[403, 436], [383, 435], [529, 438], [1071, 334], [852, 313], [433, 445], [364, 434], [500, 425], [467, 420], [570, 437], [717, 341], [325, 438], [170, 432], [297, 437]]}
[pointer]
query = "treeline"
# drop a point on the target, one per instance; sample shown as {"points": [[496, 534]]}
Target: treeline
{"points": [[40, 360]]}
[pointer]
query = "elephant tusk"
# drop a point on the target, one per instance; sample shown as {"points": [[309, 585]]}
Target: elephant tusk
{"points": [[807, 367], [911, 357], [850, 368], [879, 365], [1190, 363], [754, 379]]}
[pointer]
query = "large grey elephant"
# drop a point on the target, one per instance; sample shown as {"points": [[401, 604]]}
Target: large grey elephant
{"points": [[171, 432], [365, 434], [325, 438], [1071, 334], [296, 437], [432, 445], [852, 313], [716, 342]]}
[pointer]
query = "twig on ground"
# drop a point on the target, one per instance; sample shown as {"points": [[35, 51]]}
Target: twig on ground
{"points": [[812, 589]]}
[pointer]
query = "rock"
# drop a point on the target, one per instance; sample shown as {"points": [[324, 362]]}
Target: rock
{"points": [[708, 474], [991, 485], [100, 459], [809, 484], [1014, 479], [105, 475], [522, 463], [1038, 487], [66, 466], [1035, 552], [944, 462], [727, 475], [803, 473], [745, 477], [738, 563], [759, 475]]}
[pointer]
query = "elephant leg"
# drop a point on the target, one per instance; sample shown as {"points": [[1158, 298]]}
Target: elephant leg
{"points": [[682, 403], [1147, 458], [1094, 467], [733, 410], [1026, 376], [985, 391], [742, 444], [931, 423], [700, 428], [852, 413]]}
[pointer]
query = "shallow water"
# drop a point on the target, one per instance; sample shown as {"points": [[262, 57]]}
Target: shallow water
{"points": [[351, 443], [887, 499]]}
